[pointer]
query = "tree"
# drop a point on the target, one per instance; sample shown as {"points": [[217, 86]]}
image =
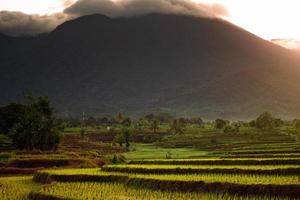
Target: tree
{"points": [[119, 118], [196, 120], [164, 117], [11, 115], [126, 136], [296, 124], [149, 117], [252, 123], [177, 127], [277, 122], [114, 160], [220, 123], [126, 122], [91, 121], [154, 126], [31, 125], [119, 138], [265, 121], [105, 121], [82, 132], [231, 128]]}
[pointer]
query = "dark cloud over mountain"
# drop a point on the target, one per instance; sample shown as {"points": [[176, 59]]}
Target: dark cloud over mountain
{"points": [[139, 7], [18, 23]]}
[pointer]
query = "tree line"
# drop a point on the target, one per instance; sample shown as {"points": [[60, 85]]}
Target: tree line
{"points": [[32, 124]]}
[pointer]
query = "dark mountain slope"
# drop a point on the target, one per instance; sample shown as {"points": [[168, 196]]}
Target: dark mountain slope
{"points": [[180, 64]]}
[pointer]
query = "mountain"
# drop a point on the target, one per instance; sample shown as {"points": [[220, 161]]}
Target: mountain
{"points": [[155, 63]]}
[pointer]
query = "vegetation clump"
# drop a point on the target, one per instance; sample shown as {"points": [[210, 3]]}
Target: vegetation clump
{"points": [[30, 125]]}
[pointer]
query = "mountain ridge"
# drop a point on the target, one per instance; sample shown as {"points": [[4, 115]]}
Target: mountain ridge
{"points": [[154, 63]]}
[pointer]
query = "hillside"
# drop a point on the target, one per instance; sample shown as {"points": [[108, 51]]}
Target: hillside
{"points": [[179, 64]]}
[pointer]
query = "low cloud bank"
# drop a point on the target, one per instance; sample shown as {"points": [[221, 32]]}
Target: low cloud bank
{"points": [[18, 23], [139, 7]]}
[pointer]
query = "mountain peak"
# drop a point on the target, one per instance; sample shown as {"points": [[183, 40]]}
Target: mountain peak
{"points": [[82, 22], [155, 63]]}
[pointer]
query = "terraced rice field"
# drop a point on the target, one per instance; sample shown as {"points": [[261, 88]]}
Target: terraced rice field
{"points": [[254, 167], [235, 185], [16, 188], [204, 169], [246, 176], [116, 191], [220, 161], [63, 175]]}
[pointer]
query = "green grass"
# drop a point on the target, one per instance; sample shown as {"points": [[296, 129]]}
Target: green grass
{"points": [[213, 139], [78, 129], [150, 151]]}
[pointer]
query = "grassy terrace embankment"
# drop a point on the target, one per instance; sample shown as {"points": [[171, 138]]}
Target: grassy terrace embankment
{"points": [[272, 185], [113, 191], [204, 169], [219, 161]]}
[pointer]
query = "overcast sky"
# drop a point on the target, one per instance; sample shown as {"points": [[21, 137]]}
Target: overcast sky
{"points": [[266, 18]]}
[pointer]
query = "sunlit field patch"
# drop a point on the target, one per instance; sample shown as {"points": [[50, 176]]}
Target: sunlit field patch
{"points": [[219, 161], [16, 188], [116, 191], [230, 178]]}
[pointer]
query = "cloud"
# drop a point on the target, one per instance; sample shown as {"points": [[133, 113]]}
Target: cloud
{"points": [[18, 23], [288, 43], [118, 8]]}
